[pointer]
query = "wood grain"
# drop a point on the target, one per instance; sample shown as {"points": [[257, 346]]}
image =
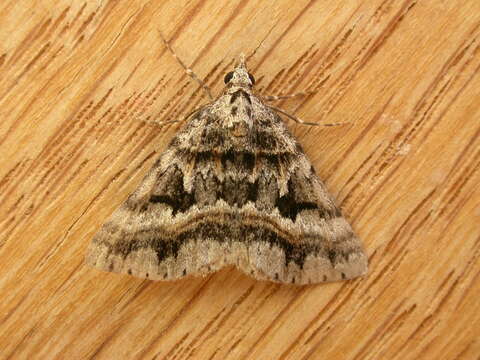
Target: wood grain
{"points": [[81, 86]]}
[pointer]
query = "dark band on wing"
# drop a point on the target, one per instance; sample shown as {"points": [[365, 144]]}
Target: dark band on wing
{"points": [[169, 246]]}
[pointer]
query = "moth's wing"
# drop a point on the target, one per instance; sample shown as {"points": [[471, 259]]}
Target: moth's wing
{"points": [[295, 233], [215, 199], [147, 236], [303, 238]]}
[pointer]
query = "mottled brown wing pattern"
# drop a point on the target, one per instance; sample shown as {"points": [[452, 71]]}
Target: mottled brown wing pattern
{"points": [[262, 210], [232, 188]]}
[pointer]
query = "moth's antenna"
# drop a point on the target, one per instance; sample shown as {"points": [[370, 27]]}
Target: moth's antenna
{"points": [[260, 44], [186, 68], [254, 51]]}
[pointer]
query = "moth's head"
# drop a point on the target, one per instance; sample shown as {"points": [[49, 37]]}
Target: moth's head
{"points": [[239, 77]]}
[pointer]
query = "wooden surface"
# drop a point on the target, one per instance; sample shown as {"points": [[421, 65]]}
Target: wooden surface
{"points": [[81, 84]]}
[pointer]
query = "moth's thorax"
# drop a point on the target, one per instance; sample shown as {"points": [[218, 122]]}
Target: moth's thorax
{"points": [[236, 104], [239, 83], [232, 89], [235, 112]]}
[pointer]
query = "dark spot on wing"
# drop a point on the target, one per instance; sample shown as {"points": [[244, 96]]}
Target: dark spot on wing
{"points": [[290, 205], [266, 141], [173, 194], [331, 256]]}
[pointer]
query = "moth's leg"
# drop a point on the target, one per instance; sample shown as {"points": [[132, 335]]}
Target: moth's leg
{"points": [[294, 118], [187, 69], [282, 97]]}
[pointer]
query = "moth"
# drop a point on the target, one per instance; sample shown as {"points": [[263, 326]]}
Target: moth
{"points": [[234, 187]]}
